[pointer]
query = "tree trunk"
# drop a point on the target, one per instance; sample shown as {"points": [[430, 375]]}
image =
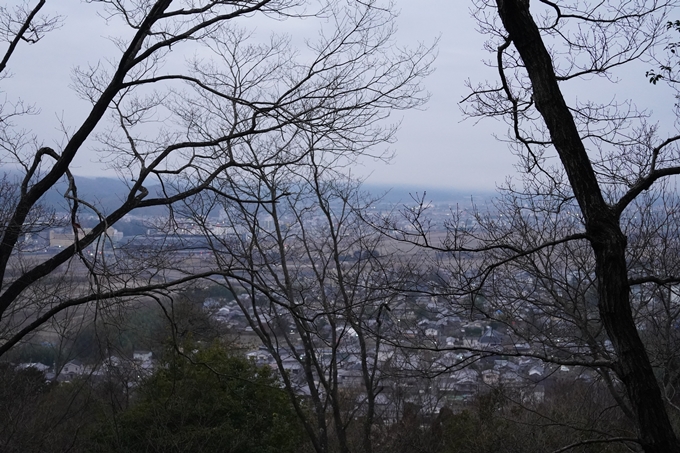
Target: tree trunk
{"points": [[603, 230]]}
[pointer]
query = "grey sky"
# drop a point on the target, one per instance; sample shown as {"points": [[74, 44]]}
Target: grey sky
{"points": [[435, 147]]}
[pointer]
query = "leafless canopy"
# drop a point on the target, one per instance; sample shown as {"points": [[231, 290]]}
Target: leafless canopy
{"points": [[194, 101], [579, 257]]}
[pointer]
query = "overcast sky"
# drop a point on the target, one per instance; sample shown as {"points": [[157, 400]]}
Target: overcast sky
{"points": [[435, 147], [438, 146]]}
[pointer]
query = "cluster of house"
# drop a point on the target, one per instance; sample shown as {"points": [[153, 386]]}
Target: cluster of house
{"points": [[434, 358], [437, 359], [125, 370]]}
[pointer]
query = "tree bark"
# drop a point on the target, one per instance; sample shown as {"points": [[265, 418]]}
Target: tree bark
{"points": [[603, 229]]}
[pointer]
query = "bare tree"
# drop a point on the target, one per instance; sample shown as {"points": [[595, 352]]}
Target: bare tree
{"points": [[315, 284], [240, 105], [578, 260]]}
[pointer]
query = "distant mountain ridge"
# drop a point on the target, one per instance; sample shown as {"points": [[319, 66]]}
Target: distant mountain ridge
{"points": [[108, 193], [408, 193]]}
